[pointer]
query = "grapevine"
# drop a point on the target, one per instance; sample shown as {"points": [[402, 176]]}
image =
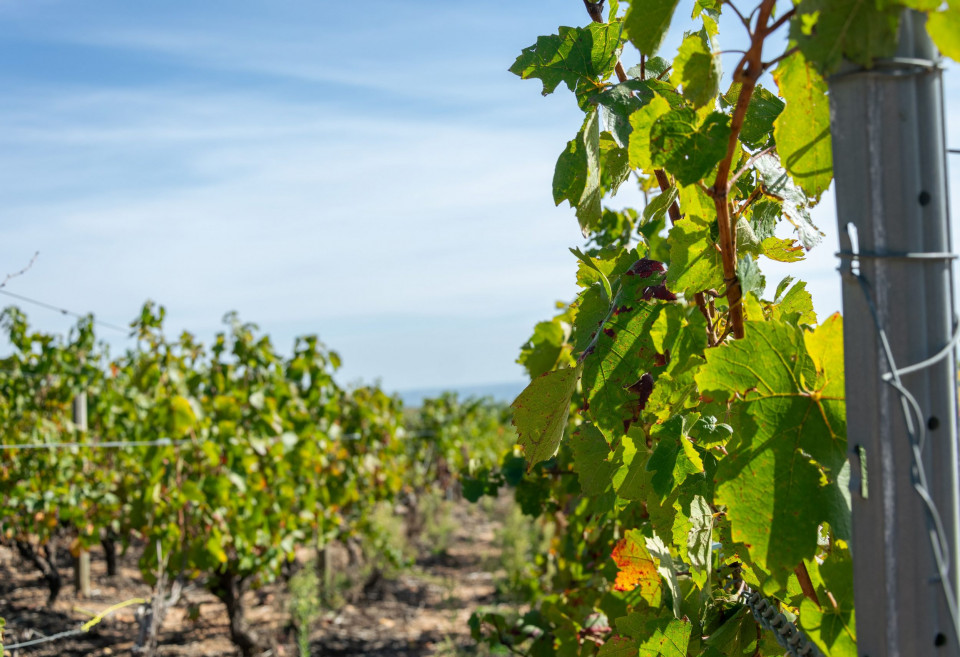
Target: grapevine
{"points": [[219, 460], [682, 422]]}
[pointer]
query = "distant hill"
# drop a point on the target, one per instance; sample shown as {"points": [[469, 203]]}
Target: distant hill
{"points": [[505, 392]]}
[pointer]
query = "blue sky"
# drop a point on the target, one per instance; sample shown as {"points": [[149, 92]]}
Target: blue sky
{"points": [[365, 171]]}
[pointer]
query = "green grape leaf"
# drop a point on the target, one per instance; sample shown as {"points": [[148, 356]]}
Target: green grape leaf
{"points": [[592, 272], [944, 29], [789, 403], [794, 200], [540, 413], [737, 637], [620, 367], [675, 458], [802, 130], [590, 454], [618, 646], [782, 287], [834, 630], [591, 308], [684, 338], [708, 431], [709, 6], [659, 205], [618, 102], [183, 419], [696, 70], [646, 23], [758, 123], [641, 122], [665, 637], [695, 201], [542, 351], [613, 11], [590, 52], [695, 261], [782, 249], [751, 280], [828, 31], [764, 216], [653, 67], [632, 479], [614, 164], [686, 150], [797, 300], [576, 178], [700, 537]]}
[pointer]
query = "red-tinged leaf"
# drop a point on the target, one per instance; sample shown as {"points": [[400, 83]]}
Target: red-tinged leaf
{"points": [[637, 568]]}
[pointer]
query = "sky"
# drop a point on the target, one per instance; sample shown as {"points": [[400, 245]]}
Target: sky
{"points": [[369, 172]]}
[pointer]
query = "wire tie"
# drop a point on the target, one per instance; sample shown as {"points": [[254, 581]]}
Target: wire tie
{"points": [[896, 255]]}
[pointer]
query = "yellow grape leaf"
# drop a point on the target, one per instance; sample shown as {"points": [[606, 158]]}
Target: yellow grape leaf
{"points": [[637, 568]]}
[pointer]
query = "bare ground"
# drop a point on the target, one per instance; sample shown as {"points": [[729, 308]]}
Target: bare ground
{"points": [[421, 611]]}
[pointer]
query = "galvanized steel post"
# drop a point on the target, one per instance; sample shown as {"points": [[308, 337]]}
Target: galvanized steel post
{"points": [[889, 158]]}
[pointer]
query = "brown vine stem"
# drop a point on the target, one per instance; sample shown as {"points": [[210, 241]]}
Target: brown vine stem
{"points": [[747, 72], [803, 577], [595, 9]]}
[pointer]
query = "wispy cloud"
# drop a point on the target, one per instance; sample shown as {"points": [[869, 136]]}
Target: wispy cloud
{"points": [[369, 173]]}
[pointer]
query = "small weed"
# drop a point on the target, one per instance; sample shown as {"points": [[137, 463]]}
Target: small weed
{"points": [[524, 545], [439, 524], [305, 606]]}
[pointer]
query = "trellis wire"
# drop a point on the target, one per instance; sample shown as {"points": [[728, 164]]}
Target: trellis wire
{"points": [[65, 311], [83, 629], [164, 442], [913, 416], [106, 444]]}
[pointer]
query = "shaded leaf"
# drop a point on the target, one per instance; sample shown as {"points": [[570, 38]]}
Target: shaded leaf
{"points": [[646, 23], [590, 52], [751, 280], [696, 70], [687, 149], [540, 413], [659, 205], [641, 121], [828, 31], [618, 102], [675, 458], [590, 455], [618, 646], [576, 178], [763, 110], [695, 261]]}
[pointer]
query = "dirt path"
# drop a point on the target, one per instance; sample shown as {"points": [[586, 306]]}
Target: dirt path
{"points": [[421, 611]]}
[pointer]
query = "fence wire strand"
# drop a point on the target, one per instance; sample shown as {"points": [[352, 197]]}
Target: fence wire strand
{"points": [[83, 629], [169, 442], [914, 422]]}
